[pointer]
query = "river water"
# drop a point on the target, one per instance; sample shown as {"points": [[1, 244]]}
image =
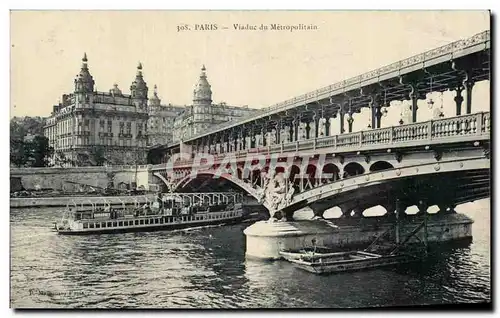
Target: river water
{"points": [[206, 268]]}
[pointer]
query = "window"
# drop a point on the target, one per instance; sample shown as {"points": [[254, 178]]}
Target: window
{"points": [[103, 224], [157, 221], [101, 123], [161, 221], [129, 128], [91, 225], [114, 224], [147, 221], [109, 224], [97, 225], [110, 126], [122, 128], [85, 225], [136, 222], [141, 222]]}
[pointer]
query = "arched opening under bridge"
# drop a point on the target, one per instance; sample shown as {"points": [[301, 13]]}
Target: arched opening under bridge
{"points": [[353, 169], [380, 165]]}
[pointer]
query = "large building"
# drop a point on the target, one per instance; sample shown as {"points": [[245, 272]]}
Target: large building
{"points": [[89, 127], [161, 121], [203, 114]]}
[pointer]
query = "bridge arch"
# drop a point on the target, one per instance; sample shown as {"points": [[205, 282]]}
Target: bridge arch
{"points": [[310, 176], [412, 210], [377, 210], [256, 177], [239, 172], [353, 169], [433, 209], [245, 186], [381, 165], [294, 174], [333, 213], [339, 192], [330, 172]]}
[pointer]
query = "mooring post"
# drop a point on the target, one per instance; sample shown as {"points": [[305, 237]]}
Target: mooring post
{"points": [[423, 209], [398, 209]]}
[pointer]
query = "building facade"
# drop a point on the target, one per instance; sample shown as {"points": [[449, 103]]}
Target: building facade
{"points": [[89, 127], [161, 121], [203, 114]]}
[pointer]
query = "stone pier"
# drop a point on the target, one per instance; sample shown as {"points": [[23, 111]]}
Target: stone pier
{"points": [[264, 239]]}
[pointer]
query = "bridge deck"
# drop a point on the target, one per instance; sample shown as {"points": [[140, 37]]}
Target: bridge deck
{"points": [[435, 70]]}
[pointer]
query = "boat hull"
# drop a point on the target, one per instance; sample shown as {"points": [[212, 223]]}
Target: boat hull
{"points": [[152, 228], [352, 265]]}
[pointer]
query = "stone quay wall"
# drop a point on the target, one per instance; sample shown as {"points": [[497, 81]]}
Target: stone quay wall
{"points": [[62, 179]]}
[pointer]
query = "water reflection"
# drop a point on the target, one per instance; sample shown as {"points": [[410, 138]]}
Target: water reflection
{"points": [[206, 268]]}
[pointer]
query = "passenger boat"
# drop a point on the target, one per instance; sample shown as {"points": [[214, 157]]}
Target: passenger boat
{"points": [[321, 263], [171, 211]]}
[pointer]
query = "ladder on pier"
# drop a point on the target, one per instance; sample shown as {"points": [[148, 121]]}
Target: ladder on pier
{"points": [[391, 247]]}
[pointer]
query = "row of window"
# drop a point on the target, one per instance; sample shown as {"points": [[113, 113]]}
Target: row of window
{"points": [[139, 127], [66, 142], [97, 225]]}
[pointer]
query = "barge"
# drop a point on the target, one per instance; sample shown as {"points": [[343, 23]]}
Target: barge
{"points": [[323, 263]]}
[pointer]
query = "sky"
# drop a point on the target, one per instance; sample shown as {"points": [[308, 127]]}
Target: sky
{"points": [[245, 67]]}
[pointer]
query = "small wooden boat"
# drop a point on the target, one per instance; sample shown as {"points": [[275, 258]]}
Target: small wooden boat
{"points": [[320, 260], [313, 252], [321, 263]]}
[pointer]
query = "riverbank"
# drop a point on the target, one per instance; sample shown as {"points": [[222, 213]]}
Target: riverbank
{"points": [[81, 201]]}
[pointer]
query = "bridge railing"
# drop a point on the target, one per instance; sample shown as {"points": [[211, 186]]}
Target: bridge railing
{"points": [[445, 128], [452, 49]]}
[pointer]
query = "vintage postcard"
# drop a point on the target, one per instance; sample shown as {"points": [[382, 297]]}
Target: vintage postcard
{"points": [[250, 159]]}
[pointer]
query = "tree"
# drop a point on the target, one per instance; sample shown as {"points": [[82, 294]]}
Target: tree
{"points": [[82, 159], [98, 156], [38, 151], [28, 152], [17, 153], [20, 127], [61, 160]]}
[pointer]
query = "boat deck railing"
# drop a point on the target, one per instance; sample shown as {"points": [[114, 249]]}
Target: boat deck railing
{"points": [[120, 214], [158, 201]]}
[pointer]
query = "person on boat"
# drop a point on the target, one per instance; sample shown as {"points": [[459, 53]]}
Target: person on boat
{"points": [[156, 207], [159, 199], [146, 209]]}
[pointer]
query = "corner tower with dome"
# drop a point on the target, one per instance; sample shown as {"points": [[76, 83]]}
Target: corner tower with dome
{"points": [[203, 113]]}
